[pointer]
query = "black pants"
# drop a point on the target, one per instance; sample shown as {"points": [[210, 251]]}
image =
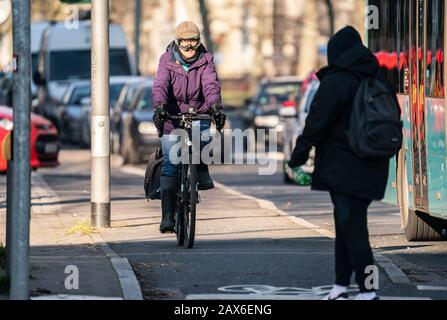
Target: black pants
{"points": [[352, 249]]}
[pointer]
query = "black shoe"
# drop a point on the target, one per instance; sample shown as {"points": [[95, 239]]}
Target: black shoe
{"points": [[204, 178], [167, 223], [167, 227]]}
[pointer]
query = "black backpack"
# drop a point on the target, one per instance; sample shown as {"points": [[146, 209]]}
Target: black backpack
{"points": [[375, 126], [152, 176]]}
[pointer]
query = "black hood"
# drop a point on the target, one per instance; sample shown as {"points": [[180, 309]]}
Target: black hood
{"points": [[358, 59], [341, 42]]}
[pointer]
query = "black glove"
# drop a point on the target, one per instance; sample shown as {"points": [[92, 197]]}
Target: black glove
{"points": [[160, 118], [219, 117], [299, 156], [293, 163]]}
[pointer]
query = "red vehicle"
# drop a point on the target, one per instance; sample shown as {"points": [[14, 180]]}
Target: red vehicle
{"points": [[45, 144]]}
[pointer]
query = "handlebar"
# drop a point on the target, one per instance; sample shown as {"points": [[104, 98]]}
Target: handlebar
{"points": [[189, 116]]}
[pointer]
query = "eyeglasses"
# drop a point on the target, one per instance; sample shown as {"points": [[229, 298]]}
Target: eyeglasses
{"points": [[185, 42]]}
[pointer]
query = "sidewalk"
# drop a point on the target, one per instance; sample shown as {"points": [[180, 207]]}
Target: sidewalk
{"points": [[60, 236]]}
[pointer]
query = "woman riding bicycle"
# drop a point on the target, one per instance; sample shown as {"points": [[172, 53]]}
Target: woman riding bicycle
{"points": [[186, 78]]}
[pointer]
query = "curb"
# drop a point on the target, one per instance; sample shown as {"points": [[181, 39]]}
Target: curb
{"points": [[129, 284]]}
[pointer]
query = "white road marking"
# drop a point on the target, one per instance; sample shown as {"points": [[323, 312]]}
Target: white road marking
{"points": [[73, 297], [260, 292], [249, 297], [431, 288], [395, 274], [284, 297]]}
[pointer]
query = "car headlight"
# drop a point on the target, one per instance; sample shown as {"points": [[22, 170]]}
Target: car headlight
{"points": [[267, 121], [6, 124], [147, 128]]}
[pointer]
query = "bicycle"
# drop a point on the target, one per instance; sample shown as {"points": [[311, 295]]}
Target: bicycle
{"points": [[187, 196]]}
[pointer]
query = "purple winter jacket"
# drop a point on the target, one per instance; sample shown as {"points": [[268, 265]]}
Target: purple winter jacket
{"points": [[179, 90]]}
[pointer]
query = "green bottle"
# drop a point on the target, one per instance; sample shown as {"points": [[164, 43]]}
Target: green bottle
{"points": [[300, 177]]}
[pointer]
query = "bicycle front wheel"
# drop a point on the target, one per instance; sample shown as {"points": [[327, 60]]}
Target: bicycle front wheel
{"points": [[190, 205], [179, 223]]}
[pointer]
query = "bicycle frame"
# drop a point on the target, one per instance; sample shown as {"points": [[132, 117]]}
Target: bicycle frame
{"points": [[187, 198]]}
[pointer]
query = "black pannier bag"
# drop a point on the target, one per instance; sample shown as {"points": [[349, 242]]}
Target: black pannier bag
{"points": [[152, 176]]}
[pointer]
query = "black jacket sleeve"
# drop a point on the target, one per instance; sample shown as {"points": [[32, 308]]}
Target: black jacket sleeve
{"points": [[324, 113]]}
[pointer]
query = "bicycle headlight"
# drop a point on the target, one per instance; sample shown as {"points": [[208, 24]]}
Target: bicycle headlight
{"points": [[6, 124], [147, 128]]}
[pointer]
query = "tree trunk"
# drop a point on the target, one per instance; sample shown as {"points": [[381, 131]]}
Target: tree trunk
{"points": [[331, 16], [206, 26]]}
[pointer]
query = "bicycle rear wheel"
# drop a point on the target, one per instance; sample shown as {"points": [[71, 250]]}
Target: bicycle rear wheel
{"points": [[189, 205]]}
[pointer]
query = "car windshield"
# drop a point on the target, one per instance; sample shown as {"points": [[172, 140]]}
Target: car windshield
{"points": [[76, 65], [115, 90], [129, 96], [79, 93], [145, 99], [273, 95]]}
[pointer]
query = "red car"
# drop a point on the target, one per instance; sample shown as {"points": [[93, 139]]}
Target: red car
{"points": [[45, 144]]}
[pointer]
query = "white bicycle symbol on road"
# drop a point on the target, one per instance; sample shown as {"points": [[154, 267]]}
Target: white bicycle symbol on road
{"points": [[264, 290]]}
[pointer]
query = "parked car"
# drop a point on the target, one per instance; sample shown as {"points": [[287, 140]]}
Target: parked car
{"points": [[74, 114], [293, 129], [138, 136], [263, 109], [45, 144], [69, 112], [117, 85], [306, 102], [122, 107]]}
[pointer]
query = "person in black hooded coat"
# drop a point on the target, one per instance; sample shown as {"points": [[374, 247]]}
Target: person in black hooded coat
{"points": [[352, 181]]}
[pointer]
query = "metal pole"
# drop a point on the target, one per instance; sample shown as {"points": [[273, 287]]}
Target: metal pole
{"points": [[100, 197], [9, 192], [137, 32], [21, 202]]}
